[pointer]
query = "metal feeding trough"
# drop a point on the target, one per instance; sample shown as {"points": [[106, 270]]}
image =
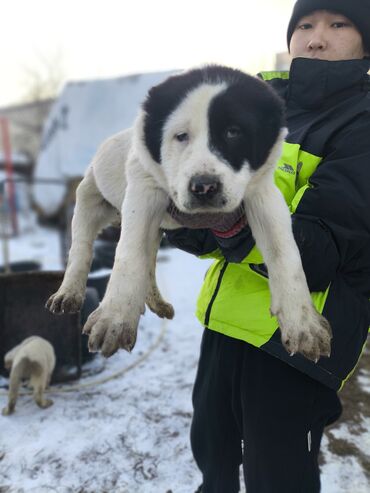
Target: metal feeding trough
{"points": [[21, 266], [23, 313]]}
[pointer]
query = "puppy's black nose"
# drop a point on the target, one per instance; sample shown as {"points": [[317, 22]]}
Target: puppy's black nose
{"points": [[204, 186]]}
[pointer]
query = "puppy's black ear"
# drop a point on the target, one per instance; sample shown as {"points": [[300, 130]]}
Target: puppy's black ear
{"points": [[154, 108], [253, 108], [161, 101]]}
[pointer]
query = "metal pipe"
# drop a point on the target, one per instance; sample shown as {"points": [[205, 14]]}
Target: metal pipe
{"points": [[5, 136]]}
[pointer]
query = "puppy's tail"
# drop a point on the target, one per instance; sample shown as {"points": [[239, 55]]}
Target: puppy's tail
{"points": [[19, 370]]}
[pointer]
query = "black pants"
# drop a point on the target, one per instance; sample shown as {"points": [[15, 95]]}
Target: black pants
{"points": [[242, 395]]}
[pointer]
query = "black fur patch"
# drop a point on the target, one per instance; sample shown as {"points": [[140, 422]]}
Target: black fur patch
{"points": [[164, 98], [244, 122]]}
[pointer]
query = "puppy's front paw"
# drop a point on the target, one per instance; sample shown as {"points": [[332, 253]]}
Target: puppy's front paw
{"points": [[109, 331], [309, 333], [65, 302]]}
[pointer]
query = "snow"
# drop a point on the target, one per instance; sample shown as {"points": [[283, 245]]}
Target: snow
{"points": [[130, 434]]}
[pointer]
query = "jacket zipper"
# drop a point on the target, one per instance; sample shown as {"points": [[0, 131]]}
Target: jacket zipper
{"points": [[259, 269], [219, 280]]}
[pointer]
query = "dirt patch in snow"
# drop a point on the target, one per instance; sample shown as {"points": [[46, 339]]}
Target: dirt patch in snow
{"points": [[355, 418]]}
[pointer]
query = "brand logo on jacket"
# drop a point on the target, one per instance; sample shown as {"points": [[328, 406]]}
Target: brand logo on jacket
{"points": [[287, 168]]}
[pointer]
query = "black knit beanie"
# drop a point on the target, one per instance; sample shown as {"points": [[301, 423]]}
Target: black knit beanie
{"points": [[357, 11]]}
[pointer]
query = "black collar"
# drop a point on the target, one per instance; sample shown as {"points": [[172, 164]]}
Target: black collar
{"points": [[320, 83]]}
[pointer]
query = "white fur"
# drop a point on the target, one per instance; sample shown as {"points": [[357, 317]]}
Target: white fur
{"points": [[33, 360], [303, 328], [124, 182]]}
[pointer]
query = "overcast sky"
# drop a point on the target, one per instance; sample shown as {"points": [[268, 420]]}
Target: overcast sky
{"points": [[105, 38]]}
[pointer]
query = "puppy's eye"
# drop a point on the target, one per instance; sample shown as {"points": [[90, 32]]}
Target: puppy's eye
{"points": [[233, 132], [182, 137]]}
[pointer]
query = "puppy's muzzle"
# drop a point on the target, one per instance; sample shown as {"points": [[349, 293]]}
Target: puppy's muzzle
{"points": [[205, 188]]}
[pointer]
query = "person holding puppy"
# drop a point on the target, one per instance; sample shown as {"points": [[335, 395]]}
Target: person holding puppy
{"points": [[254, 404]]}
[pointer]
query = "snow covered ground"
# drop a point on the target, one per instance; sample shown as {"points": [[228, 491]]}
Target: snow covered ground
{"points": [[131, 433]]}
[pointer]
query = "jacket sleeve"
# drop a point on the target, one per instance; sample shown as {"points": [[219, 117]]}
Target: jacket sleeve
{"points": [[203, 242], [198, 242], [319, 253], [331, 223]]}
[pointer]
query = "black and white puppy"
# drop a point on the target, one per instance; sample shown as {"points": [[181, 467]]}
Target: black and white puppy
{"points": [[205, 143]]}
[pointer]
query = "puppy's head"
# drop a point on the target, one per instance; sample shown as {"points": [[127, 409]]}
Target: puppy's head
{"points": [[211, 130]]}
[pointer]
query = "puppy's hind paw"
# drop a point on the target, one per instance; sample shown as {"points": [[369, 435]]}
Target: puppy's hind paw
{"points": [[7, 411], [161, 308], [45, 403]]}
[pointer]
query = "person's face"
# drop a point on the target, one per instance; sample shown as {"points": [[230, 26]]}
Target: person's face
{"points": [[326, 36]]}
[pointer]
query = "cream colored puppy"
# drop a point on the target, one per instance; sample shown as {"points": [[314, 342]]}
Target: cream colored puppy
{"points": [[33, 360]]}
